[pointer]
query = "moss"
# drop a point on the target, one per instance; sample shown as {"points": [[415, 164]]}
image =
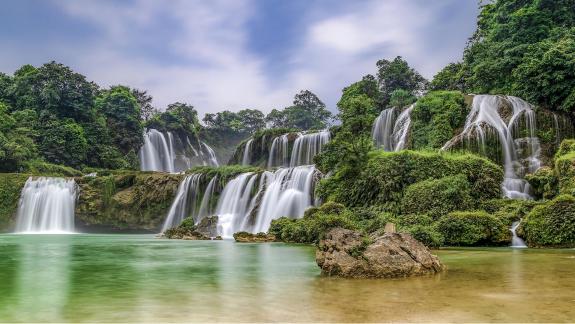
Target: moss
{"points": [[437, 197], [544, 183], [224, 173], [551, 224], [565, 171], [383, 181], [472, 228], [508, 210], [435, 118], [134, 201], [11, 185], [41, 168]]}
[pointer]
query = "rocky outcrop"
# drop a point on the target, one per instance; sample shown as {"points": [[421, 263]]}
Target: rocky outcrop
{"points": [[245, 237], [208, 226], [347, 253]]}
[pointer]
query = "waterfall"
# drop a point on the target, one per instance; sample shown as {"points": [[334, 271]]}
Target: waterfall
{"points": [[288, 193], [156, 154], [382, 129], [390, 131], [306, 146], [47, 206], [185, 202], [234, 202], [246, 157], [206, 199], [516, 241], [168, 153], [279, 154], [484, 118]]}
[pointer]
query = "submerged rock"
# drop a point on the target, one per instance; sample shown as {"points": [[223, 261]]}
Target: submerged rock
{"points": [[245, 237], [347, 253]]}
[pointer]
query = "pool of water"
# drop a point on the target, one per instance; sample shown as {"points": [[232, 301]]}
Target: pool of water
{"points": [[138, 278]]}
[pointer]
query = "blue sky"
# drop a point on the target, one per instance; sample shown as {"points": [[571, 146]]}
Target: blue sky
{"points": [[233, 54]]}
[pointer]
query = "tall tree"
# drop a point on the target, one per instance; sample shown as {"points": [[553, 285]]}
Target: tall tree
{"points": [[397, 74]]}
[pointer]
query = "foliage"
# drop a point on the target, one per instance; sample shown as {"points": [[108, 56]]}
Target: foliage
{"points": [[524, 48], [437, 197], [63, 142], [427, 235], [395, 75], [224, 173], [41, 168], [552, 223], [544, 183], [246, 121], [10, 187], [401, 98], [307, 112], [565, 168], [386, 175], [435, 118], [449, 78], [472, 228], [16, 138]]}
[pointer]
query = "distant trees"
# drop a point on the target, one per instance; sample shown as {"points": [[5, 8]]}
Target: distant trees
{"points": [[395, 75], [307, 112]]}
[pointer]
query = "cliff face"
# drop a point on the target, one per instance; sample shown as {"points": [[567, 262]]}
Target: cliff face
{"points": [[135, 201]]}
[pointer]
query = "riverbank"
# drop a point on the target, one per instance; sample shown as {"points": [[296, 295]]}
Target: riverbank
{"points": [[141, 278]]}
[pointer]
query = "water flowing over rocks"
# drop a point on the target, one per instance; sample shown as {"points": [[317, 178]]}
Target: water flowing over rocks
{"points": [[346, 253]]}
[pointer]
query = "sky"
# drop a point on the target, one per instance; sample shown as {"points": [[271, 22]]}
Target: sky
{"points": [[233, 54]]}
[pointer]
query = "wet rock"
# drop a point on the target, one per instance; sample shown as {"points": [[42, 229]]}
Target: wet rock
{"points": [[180, 233], [347, 253], [245, 237], [208, 226]]}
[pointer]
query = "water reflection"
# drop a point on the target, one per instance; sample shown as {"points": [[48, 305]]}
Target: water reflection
{"points": [[119, 278]]}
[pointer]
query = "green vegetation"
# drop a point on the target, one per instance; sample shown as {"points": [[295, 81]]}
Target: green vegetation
{"points": [[551, 223], [435, 118], [472, 228], [10, 187], [307, 112]]}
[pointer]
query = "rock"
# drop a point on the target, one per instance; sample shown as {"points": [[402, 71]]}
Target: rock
{"points": [[208, 226], [180, 233], [346, 253], [245, 237]]}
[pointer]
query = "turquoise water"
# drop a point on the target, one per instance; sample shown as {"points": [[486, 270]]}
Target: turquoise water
{"points": [[138, 278]]}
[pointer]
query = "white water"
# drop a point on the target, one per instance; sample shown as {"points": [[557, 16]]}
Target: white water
{"points": [[485, 119], [279, 154], [289, 192], [246, 157], [516, 241], [233, 204], [390, 131], [306, 146], [164, 152], [184, 204], [47, 206]]}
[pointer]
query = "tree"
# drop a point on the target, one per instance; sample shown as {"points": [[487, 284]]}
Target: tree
{"points": [[449, 78], [397, 74], [16, 139], [277, 119], [63, 142], [252, 120], [401, 98], [122, 114], [145, 102], [307, 112]]}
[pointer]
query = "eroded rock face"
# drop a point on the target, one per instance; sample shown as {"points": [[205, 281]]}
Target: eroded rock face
{"points": [[245, 237], [208, 226], [346, 253]]}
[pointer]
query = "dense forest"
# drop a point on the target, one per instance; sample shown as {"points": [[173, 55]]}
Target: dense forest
{"points": [[53, 120]]}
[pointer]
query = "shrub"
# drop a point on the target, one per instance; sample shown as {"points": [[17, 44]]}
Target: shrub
{"points": [[565, 167], [37, 167], [472, 228], [427, 235], [544, 183], [552, 223], [11, 185], [387, 174], [437, 197]]}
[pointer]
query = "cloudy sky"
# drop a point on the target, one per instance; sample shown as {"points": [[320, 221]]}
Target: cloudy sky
{"points": [[233, 54]]}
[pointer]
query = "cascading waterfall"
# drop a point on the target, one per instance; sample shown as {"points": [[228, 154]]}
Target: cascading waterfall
{"points": [[279, 154], [390, 131], [289, 193], [306, 146], [484, 119], [47, 206], [233, 204], [164, 152], [185, 202], [516, 241], [246, 157]]}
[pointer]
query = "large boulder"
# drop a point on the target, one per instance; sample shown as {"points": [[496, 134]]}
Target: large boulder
{"points": [[347, 253], [208, 226]]}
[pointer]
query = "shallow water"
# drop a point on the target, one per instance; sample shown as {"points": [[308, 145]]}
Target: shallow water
{"points": [[137, 278]]}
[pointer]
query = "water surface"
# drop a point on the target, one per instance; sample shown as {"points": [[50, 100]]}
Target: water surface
{"points": [[137, 278]]}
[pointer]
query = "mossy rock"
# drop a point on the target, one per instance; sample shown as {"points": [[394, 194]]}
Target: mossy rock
{"points": [[551, 224], [11, 185], [126, 201]]}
